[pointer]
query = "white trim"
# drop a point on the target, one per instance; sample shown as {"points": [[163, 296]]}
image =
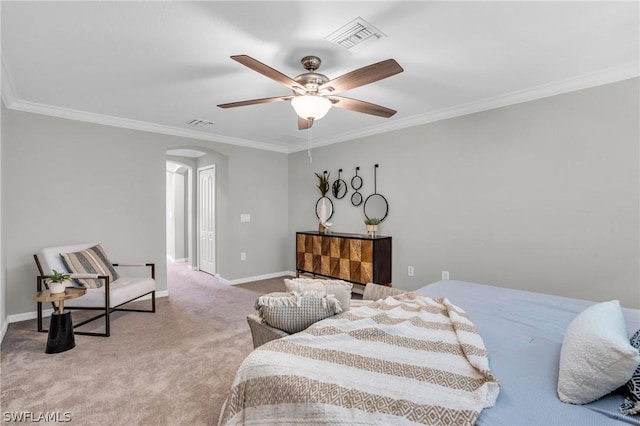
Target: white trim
{"points": [[256, 278], [28, 315], [3, 332], [585, 81], [47, 312], [126, 123], [597, 78]]}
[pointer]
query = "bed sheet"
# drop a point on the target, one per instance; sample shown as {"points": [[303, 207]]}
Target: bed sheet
{"points": [[523, 334]]}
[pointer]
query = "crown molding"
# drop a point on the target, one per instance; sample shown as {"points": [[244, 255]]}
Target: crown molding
{"points": [[126, 123], [7, 89], [598, 78], [585, 81]]}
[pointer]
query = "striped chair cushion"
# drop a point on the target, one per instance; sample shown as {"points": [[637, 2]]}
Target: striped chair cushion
{"points": [[93, 260], [294, 312]]}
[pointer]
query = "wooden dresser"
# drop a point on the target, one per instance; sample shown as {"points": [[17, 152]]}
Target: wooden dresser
{"points": [[351, 257]]}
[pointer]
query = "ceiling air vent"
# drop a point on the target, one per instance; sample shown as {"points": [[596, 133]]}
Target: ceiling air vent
{"points": [[355, 33], [199, 123]]}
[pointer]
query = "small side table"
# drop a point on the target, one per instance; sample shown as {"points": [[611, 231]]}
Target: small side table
{"points": [[60, 337]]}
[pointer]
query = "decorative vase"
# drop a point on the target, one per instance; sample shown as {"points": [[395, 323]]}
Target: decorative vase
{"points": [[323, 216], [371, 230], [55, 288]]}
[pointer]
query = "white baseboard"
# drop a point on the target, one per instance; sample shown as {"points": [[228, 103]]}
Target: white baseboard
{"points": [[5, 325], [194, 268], [47, 312], [255, 278]]}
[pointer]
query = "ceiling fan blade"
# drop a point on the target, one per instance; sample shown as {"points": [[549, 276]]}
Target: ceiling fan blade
{"points": [[361, 106], [304, 123], [256, 101], [362, 76], [267, 71]]}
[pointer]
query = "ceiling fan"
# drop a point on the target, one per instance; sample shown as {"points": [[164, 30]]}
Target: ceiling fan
{"points": [[314, 93]]}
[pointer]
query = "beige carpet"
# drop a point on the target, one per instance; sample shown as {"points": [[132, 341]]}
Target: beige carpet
{"points": [[173, 367]]}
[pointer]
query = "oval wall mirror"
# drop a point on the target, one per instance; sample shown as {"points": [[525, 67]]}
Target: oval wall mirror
{"points": [[376, 206], [328, 205], [356, 181], [339, 187], [356, 198]]}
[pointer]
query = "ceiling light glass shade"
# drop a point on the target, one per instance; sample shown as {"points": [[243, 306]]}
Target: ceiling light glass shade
{"points": [[311, 106]]}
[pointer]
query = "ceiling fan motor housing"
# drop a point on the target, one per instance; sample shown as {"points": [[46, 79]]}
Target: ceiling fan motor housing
{"points": [[311, 81]]}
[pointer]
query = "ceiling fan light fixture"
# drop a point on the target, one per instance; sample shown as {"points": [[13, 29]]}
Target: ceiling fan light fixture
{"points": [[311, 106]]}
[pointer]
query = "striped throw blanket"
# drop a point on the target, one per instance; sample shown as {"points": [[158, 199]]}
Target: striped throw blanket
{"points": [[408, 359]]}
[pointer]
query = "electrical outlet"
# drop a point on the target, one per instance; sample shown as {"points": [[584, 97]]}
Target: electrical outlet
{"points": [[410, 271], [243, 256], [445, 275]]}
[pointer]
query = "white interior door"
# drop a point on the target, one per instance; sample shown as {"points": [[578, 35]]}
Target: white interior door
{"points": [[207, 219]]}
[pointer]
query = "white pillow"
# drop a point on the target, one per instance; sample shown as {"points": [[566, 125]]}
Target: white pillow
{"points": [[340, 289], [596, 357]]}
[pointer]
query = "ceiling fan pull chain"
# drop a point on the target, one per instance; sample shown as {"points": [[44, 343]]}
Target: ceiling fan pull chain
{"points": [[309, 142]]}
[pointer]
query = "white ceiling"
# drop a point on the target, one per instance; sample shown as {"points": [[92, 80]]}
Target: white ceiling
{"points": [[158, 65]]}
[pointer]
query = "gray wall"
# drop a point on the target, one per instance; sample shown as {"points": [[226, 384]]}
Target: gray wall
{"points": [[68, 181], [176, 214], [542, 196]]}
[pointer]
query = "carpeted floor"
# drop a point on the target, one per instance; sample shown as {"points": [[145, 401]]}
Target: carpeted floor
{"points": [[173, 367]]}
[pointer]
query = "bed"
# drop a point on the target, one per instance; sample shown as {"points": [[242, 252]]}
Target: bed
{"points": [[521, 331]]}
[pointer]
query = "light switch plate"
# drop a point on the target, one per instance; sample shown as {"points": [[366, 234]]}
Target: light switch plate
{"points": [[245, 217]]}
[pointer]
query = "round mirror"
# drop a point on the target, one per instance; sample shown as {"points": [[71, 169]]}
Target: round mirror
{"points": [[328, 205], [356, 183], [376, 206], [339, 188], [356, 198]]}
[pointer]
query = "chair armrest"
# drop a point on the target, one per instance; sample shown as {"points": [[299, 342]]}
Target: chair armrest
{"points": [[358, 303], [151, 265], [263, 332], [41, 279], [75, 276], [376, 291], [133, 264]]}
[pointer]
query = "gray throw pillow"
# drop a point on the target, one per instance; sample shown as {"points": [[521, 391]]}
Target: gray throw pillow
{"points": [[294, 312]]}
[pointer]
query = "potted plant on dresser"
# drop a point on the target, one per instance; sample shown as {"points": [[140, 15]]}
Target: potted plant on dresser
{"points": [[57, 282], [372, 225]]}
